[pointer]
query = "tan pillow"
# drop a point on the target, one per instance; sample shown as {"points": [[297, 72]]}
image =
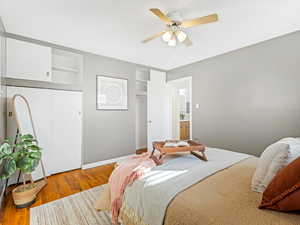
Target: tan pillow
{"points": [[283, 193], [103, 202]]}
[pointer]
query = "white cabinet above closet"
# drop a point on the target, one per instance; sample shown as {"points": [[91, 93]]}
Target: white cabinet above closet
{"points": [[28, 61]]}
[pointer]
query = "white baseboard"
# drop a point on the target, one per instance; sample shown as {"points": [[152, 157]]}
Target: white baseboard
{"points": [[104, 162], [141, 147]]}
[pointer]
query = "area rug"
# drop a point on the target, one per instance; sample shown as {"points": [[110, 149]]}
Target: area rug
{"points": [[75, 209]]}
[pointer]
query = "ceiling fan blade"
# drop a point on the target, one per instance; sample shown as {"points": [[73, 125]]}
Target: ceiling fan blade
{"points": [[153, 37], [161, 15], [201, 20], [188, 42]]}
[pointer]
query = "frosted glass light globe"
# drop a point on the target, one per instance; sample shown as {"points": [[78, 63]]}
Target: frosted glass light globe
{"points": [[167, 36], [172, 42], [181, 36]]}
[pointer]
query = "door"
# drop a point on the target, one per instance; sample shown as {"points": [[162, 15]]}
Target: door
{"points": [[157, 108], [40, 102], [57, 120], [66, 131], [180, 108], [28, 61]]}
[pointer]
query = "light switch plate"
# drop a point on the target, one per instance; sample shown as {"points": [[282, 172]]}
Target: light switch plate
{"points": [[197, 106]]}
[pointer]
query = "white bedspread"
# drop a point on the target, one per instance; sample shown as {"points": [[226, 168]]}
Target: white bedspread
{"points": [[150, 196]]}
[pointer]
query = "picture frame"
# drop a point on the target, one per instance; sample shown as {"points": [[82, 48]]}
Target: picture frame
{"points": [[111, 93]]}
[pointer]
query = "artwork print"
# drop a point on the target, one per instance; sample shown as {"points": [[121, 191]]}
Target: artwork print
{"points": [[111, 93]]}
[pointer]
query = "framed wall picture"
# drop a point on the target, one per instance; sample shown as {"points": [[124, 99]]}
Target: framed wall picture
{"points": [[112, 93]]}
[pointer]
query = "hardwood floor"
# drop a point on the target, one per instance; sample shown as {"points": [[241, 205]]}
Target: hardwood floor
{"points": [[59, 186]]}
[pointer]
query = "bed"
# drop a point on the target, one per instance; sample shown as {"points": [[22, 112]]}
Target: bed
{"points": [[223, 197]]}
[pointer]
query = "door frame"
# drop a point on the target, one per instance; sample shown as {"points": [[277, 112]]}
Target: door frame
{"points": [[172, 82]]}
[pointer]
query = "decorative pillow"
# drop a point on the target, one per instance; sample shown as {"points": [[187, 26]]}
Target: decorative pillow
{"points": [[289, 140], [283, 193], [294, 148], [278, 162], [264, 163], [294, 153], [103, 202]]}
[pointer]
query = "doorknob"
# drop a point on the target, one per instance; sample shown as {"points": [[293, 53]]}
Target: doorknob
{"points": [[149, 121]]}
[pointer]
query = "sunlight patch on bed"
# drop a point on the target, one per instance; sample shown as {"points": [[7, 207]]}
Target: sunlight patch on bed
{"points": [[161, 176]]}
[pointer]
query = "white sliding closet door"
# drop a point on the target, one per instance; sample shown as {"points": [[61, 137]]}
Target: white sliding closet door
{"points": [[57, 119], [40, 103], [66, 127]]}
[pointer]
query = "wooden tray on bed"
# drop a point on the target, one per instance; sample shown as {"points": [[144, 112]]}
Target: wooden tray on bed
{"points": [[194, 148]]}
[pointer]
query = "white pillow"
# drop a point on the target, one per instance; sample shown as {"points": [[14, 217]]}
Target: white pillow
{"points": [[294, 153], [294, 148], [264, 163], [290, 141], [278, 162]]}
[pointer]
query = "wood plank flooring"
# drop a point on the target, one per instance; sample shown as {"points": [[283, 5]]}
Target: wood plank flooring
{"points": [[59, 186]]}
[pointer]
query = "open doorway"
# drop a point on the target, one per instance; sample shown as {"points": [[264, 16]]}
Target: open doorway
{"points": [[142, 79], [180, 97]]}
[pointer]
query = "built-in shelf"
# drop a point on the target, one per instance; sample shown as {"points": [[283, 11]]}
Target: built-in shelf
{"points": [[65, 69], [142, 77]]}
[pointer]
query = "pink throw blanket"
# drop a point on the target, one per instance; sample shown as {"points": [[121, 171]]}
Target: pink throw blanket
{"points": [[125, 174]]}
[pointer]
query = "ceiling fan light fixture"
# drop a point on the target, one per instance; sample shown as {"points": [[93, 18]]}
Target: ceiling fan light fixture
{"points": [[174, 26], [181, 36], [172, 41], [167, 36]]}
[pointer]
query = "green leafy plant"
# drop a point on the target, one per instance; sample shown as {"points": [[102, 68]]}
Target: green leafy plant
{"points": [[24, 155]]}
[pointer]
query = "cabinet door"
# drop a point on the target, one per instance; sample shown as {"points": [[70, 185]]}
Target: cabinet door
{"points": [[28, 61], [184, 130], [40, 101], [66, 130], [57, 120]]}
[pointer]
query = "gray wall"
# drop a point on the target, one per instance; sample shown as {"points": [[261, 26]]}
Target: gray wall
{"points": [[107, 134], [248, 98]]}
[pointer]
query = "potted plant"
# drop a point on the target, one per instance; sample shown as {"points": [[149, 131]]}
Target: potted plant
{"points": [[23, 155]]}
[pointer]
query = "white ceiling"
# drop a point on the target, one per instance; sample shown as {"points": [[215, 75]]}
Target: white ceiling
{"points": [[115, 28]]}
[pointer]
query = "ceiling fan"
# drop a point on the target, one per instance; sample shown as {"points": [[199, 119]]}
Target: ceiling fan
{"points": [[175, 27]]}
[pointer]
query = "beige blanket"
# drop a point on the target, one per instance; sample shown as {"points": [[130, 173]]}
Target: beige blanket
{"points": [[222, 199]]}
